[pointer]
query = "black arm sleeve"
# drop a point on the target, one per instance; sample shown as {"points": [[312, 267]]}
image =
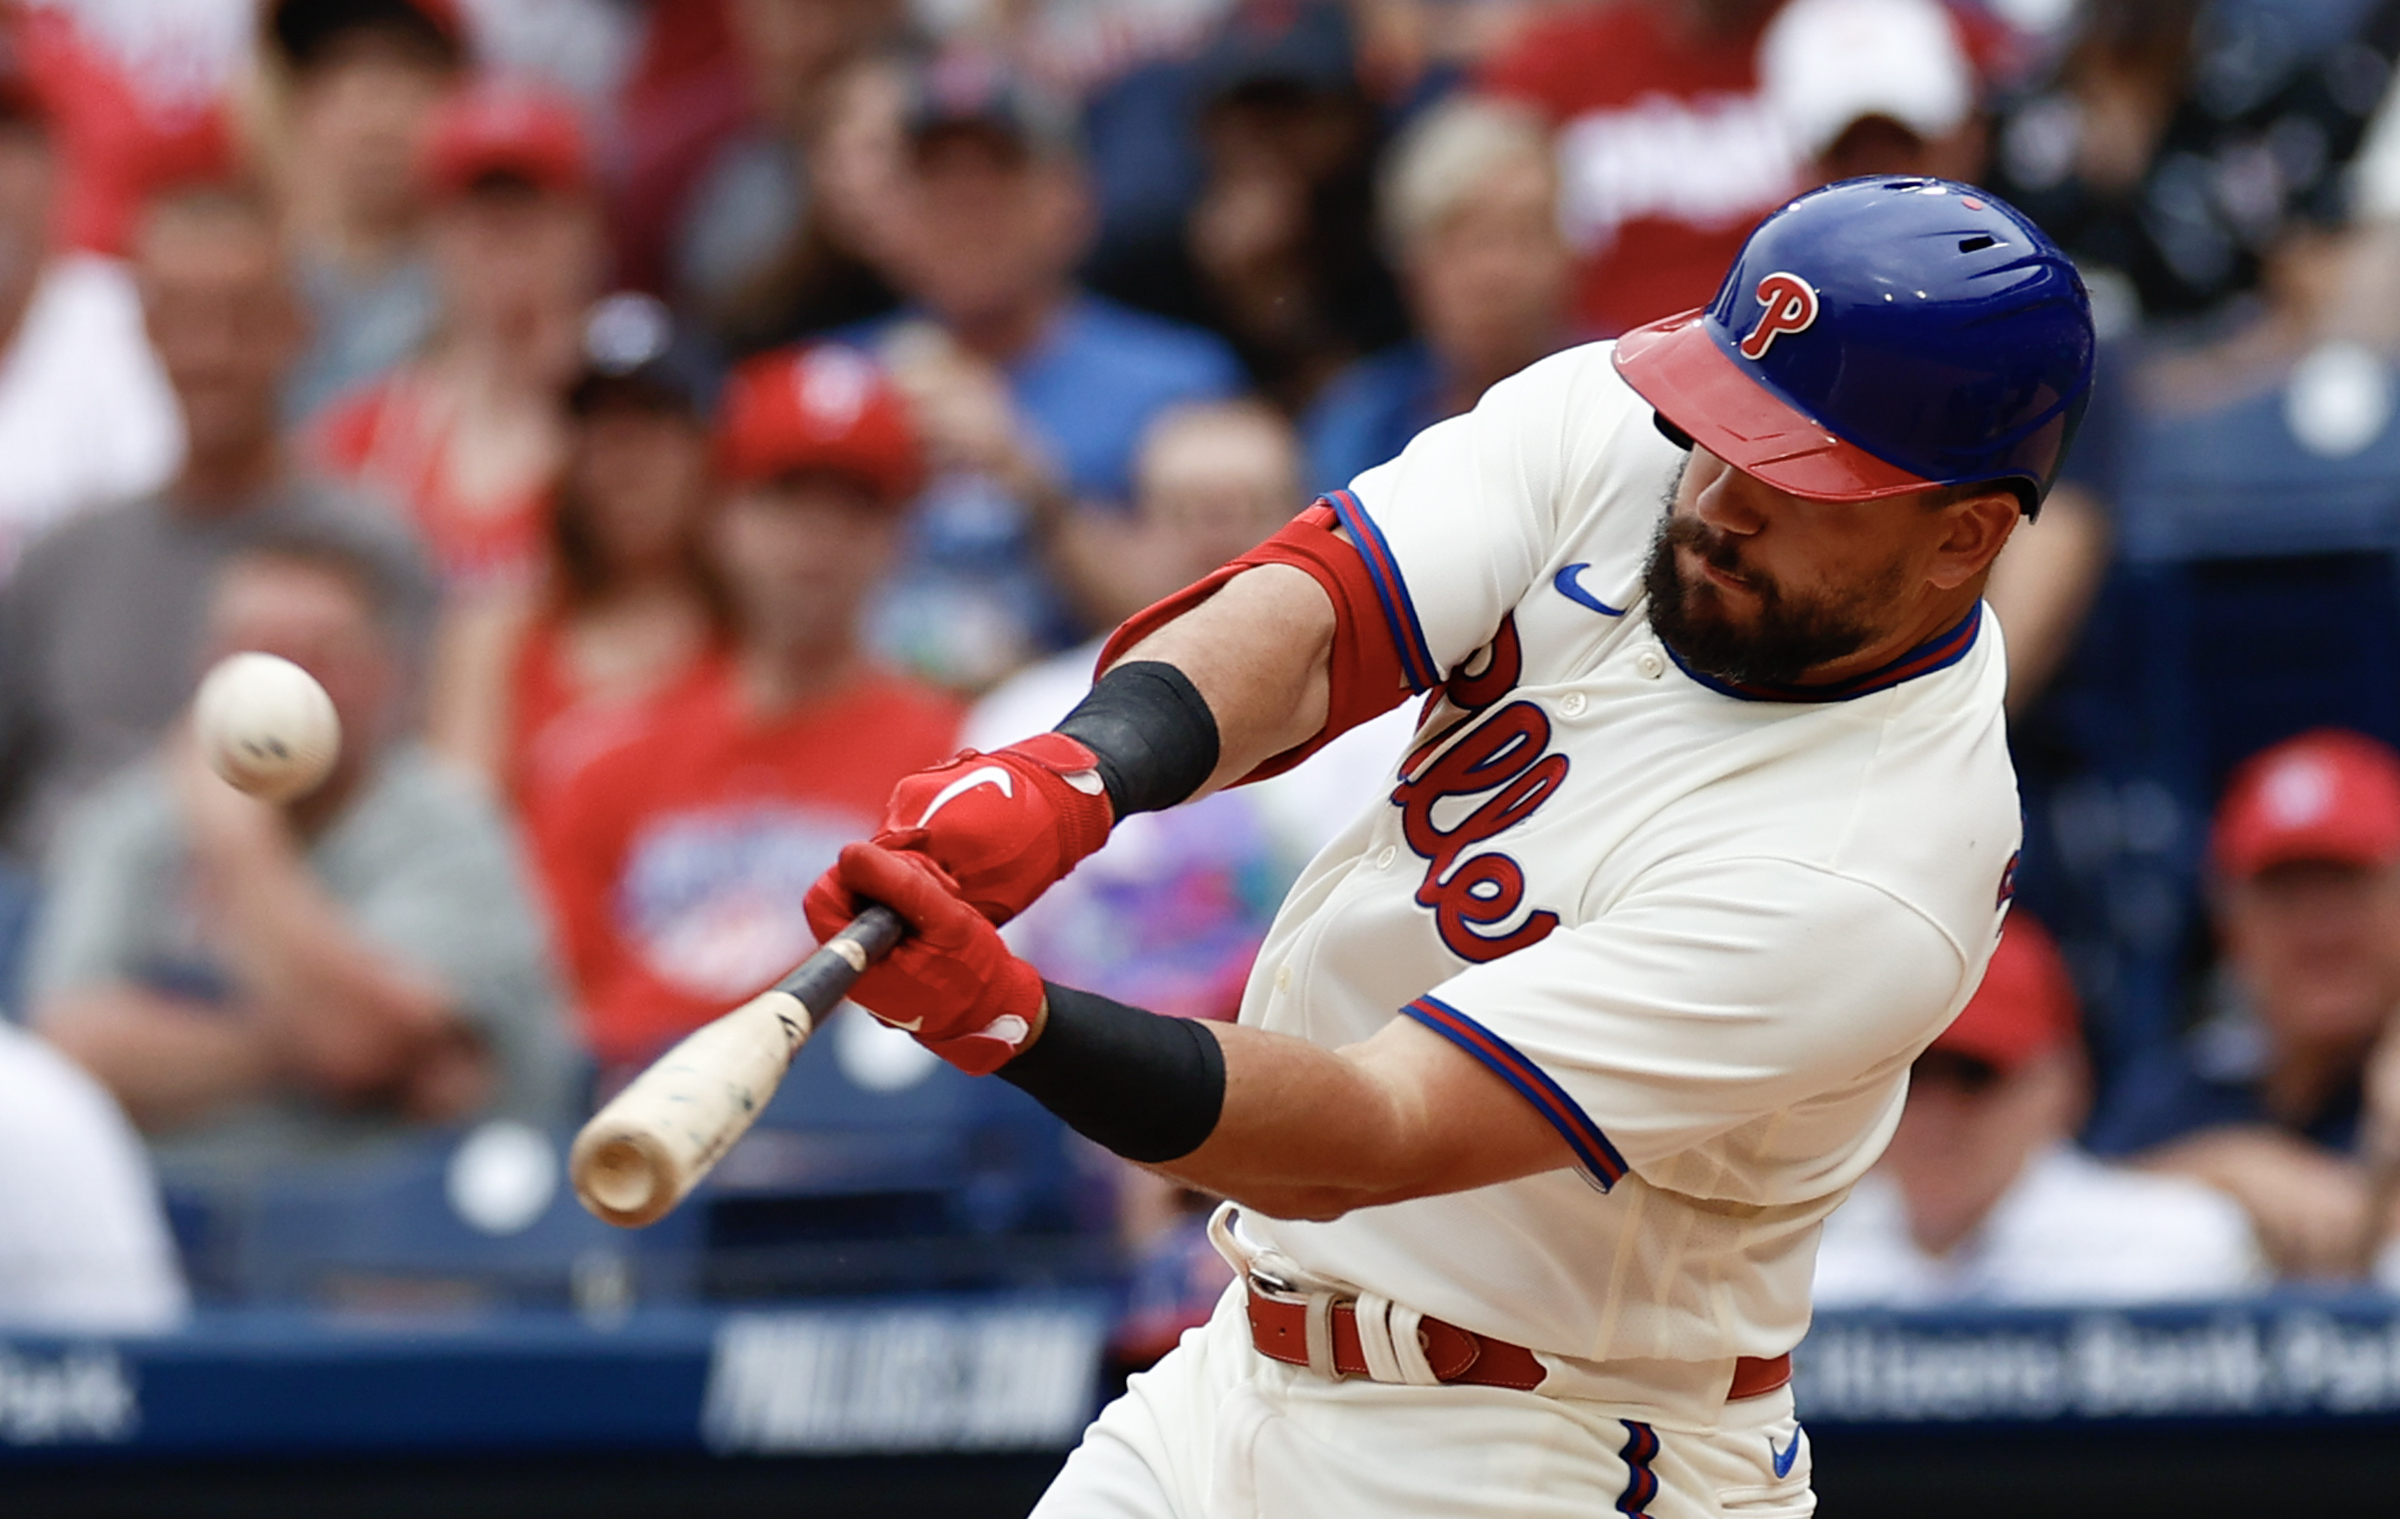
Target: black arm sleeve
{"points": [[1155, 737], [1144, 1086]]}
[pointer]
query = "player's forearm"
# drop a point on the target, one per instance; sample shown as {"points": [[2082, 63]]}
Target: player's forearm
{"points": [[168, 1064], [1310, 1132], [1287, 1127], [1307, 1132], [1258, 652]]}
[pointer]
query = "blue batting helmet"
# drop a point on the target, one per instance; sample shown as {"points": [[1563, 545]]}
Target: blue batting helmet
{"points": [[1879, 336]]}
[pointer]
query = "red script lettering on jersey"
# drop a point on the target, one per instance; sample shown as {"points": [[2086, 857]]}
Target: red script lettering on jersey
{"points": [[1504, 759]]}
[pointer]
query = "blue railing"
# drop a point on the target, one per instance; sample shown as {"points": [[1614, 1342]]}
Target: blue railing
{"points": [[1020, 1372]]}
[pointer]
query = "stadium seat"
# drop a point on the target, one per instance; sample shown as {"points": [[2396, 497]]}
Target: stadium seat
{"points": [[465, 1221], [876, 1167]]}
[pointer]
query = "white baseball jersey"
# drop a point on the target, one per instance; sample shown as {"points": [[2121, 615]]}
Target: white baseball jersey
{"points": [[1703, 929]]}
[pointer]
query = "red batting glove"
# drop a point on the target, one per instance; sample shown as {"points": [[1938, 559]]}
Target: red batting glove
{"points": [[1004, 825], [950, 982]]}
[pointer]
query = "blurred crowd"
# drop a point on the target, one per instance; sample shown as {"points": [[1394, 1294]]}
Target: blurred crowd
{"points": [[661, 426]]}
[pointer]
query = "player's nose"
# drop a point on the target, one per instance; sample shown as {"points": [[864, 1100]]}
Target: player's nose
{"points": [[1732, 504]]}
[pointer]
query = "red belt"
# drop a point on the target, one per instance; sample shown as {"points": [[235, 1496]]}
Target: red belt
{"points": [[1279, 1328]]}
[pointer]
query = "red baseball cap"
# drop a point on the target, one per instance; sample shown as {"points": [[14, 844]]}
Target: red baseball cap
{"points": [[824, 407], [2025, 1007], [2328, 795], [529, 133]]}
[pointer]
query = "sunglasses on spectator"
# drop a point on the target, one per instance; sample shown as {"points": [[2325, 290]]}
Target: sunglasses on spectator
{"points": [[1968, 1075]]}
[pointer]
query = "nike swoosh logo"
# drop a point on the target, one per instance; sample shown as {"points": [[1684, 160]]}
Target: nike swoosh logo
{"points": [[982, 775], [1570, 588], [1785, 1456]]}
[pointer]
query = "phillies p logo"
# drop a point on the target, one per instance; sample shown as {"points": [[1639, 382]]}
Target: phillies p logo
{"points": [[1791, 307]]}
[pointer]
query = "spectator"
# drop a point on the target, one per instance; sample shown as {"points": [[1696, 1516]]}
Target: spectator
{"points": [[84, 1247], [585, 47], [1276, 251], [261, 985], [361, 82], [754, 254], [2164, 148], [1173, 910], [1031, 393], [85, 416], [1469, 210], [99, 629], [1667, 152], [1982, 1199], [534, 685], [1076, 47], [685, 94], [2269, 1100], [1414, 50], [472, 434], [1213, 479], [676, 861], [1889, 87], [1873, 87], [138, 95], [1171, 913]]}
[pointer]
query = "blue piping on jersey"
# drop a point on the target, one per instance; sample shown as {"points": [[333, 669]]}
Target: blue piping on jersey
{"points": [[1591, 1147], [1416, 659]]}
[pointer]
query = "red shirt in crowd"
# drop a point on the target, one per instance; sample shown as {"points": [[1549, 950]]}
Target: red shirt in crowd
{"points": [[395, 436], [1667, 154], [677, 861], [556, 729]]}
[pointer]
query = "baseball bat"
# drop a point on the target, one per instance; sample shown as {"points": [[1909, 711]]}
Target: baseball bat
{"points": [[641, 1154]]}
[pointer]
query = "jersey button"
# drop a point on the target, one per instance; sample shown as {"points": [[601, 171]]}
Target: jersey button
{"points": [[1283, 978], [1385, 856], [1572, 704], [1651, 663]]}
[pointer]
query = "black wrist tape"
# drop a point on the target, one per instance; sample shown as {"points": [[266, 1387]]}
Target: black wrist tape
{"points": [[1155, 738], [1142, 1085]]}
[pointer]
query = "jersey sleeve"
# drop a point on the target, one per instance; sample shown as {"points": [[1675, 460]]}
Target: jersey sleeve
{"points": [[1455, 530], [1704, 1001]]}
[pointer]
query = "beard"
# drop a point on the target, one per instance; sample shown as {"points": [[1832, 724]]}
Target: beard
{"points": [[1780, 644]]}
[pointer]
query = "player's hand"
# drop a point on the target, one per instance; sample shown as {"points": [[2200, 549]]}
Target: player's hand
{"points": [[1004, 825], [950, 981]]}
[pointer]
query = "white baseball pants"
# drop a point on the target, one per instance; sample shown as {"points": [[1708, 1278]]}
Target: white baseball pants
{"points": [[1218, 1431]]}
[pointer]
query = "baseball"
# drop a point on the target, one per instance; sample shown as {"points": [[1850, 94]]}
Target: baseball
{"points": [[266, 726]]}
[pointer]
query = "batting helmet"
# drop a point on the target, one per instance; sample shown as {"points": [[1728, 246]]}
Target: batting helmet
{"points": [[1879, 336]]}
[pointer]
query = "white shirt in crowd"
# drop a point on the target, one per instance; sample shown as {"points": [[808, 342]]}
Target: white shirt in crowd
{"points": [[2070, 1232], [84, 1247], [86, 414]]}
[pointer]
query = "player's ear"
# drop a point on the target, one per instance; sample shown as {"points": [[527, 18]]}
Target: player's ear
{"points": [[1975, 528]]}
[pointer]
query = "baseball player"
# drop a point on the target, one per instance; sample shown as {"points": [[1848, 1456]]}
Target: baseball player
{"points": [[1555, 1062]]}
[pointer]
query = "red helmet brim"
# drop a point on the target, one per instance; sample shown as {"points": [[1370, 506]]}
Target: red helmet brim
{"points": [[1679, 369]]}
